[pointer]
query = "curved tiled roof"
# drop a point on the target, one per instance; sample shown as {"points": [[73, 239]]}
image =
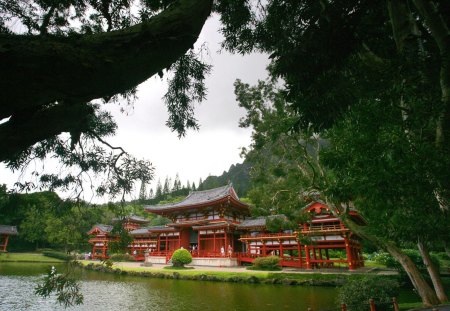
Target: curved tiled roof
{"points": [[196, 198], [257, 222], [140, 231], [132, 218], [10, 230], [102, 227]]}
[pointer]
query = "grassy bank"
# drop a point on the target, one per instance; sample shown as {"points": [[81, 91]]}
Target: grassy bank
{"points": [[246, 276], [26, 257]]}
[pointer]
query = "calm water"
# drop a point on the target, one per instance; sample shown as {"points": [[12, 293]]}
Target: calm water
{"points": [[111, 292]]}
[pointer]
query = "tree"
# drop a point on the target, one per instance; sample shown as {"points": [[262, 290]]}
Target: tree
{"points": [[288, 167], [166, 188], [159, 191], [176, 183], [142, 192], [108, 55]]}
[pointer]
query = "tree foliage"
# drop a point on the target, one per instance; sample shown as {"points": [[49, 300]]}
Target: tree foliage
{"points": [[108, 48]]}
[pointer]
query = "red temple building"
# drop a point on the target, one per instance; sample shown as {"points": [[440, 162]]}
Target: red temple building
{"points": [[5, 233], [309, 246], [205, 223], [216, 227], [101, 236]]}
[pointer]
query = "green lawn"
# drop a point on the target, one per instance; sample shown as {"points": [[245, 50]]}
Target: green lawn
{"points": [[26, 257], [262, 275]]}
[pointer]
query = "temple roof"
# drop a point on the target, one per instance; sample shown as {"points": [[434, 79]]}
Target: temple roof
{"points": [[161, 229], [257, 222], [197, 198], [10, 230], [101, 227], [132, 218], [140, 231]]}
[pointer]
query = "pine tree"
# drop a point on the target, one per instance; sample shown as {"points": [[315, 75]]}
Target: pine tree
{"points": [[142, 192], [166, 188], [193, 186], [176, 183], [188, 185], [159, 191], [151, 194], [200, 184]]}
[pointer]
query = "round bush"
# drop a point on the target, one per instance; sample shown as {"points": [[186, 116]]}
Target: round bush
{"points": [[181, 257], [357, 292], [266, 263]]}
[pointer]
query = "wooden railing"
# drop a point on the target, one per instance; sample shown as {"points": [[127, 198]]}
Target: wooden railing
{"points": [[324, 229]]}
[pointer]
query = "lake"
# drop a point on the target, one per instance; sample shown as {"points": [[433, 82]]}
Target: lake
{"points": [[114, 292]]}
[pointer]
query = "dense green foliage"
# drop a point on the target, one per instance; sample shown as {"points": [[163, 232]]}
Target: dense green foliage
{"points": [[181, 257], [357, 292], [269, 263], [238, 174]]}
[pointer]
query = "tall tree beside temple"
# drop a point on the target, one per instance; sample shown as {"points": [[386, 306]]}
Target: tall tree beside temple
{"points": [[151, 194], [166, 187], [159, 190], [176, 183], [288, 166], [142, 192]]}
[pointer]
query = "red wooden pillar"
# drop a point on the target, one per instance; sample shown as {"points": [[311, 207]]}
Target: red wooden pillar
{"points": [[226, 241], [308, 259], [264, 248], [167, 243], [320, 257], [348, 249], [214, 241], [299, 253], [158, 243], [280, 245], [198, 243]]}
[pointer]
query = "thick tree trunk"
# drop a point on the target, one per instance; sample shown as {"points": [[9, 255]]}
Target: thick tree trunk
{"points": [[433, 272], [424, 290]]}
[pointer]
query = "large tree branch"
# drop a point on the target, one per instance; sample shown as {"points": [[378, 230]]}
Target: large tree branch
{"points": [[23, 131], [39, 70]]}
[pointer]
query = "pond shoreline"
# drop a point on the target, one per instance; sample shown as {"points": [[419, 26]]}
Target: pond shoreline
{"points": [[253, 277]]}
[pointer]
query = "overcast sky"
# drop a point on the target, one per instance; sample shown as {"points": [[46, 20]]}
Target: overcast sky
{"points": [[209, 151]]}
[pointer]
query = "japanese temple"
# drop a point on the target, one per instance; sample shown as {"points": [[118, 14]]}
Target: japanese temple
{"points": [[5, 233], [216, 227]]}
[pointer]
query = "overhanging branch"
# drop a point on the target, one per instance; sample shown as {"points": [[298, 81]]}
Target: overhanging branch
{"points": [[38, 70]]}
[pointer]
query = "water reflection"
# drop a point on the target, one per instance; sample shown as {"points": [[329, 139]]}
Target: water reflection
{"points": [[111, 292]]}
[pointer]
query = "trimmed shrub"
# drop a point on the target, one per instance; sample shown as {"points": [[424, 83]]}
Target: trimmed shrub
{"points": [[270, 263], [357, 292], [58, 255], [121, 257], [181, 257]]}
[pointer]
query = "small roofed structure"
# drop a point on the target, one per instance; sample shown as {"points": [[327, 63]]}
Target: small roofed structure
{"points": [[100, 240], [204, 222], [5, 232], [132, 222]]}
